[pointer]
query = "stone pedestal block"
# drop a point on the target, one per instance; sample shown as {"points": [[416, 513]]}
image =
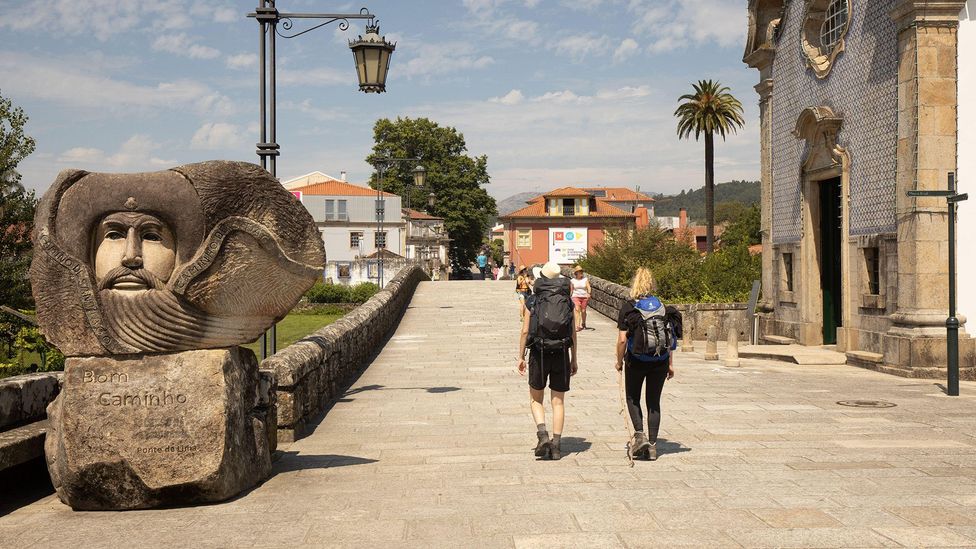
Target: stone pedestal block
{"points": [[167, 429], [909, 354]]}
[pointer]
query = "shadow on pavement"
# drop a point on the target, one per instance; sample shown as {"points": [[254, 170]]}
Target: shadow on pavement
{"points": [[665, 446], [364, 388], [574, 445], [297, 461], [24, 484]]}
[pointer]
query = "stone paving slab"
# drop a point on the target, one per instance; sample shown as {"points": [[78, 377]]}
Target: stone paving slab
{"points": [[431, 447]]}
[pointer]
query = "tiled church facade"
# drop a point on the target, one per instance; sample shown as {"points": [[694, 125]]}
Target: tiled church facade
{"points": [[850, 125]]}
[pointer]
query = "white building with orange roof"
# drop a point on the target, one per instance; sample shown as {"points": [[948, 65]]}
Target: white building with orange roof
{"points": [[346, 216]]}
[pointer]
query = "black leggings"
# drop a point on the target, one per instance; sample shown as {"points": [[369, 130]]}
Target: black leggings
{"points": [[655, 374]]}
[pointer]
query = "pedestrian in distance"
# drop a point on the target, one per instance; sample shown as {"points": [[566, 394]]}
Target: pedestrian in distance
{"points": [[581, 296], [482, 261], [644, 343], [549, 337], [523, 289]]}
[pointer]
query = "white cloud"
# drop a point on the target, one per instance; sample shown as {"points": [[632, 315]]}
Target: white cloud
{"points": [[620, 135], [513, 97], [316, 77], [495, 22], [674, 24], [183, 45], [317, 113], [581, 46], [242, 61], [443, 58], [135, 154], [627, 49], [70, 85], [217, 135]]}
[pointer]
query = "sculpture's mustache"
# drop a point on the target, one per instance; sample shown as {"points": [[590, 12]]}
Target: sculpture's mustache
{"points": [[151, 281]]}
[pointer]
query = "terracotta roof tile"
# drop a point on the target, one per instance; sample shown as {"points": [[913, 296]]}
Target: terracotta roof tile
{"points": [[338, 188], [414, 214], [566, 191], [620, 193], [537, 208]]}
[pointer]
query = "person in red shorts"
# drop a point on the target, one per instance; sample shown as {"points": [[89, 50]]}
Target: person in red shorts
{"points": [[581, 296]]}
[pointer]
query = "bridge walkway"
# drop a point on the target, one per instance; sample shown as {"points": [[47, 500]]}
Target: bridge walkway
{"points": [[431, 447]]}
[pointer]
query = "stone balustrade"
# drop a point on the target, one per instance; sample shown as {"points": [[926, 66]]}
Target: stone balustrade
{"points": [[312, 373], [606, 298], [23, 415]]}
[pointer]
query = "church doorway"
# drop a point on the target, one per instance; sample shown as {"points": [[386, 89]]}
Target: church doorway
{"points": [[831, 278]]}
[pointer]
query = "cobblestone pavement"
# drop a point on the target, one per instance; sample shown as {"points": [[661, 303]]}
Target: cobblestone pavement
{"points": [[431, 447]]}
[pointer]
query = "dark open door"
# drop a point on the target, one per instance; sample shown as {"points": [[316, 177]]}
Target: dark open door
{"points": [[830, 265]]}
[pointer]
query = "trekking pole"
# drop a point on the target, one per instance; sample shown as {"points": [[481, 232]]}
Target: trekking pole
{"points": [[621, 379]]}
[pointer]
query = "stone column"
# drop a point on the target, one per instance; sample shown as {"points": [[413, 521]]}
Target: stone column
{"points": [[762, 59], [926, 153]]}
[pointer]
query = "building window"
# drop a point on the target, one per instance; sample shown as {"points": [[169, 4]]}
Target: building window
{"points": [[835, 23], [788, 270], [341, 211], [343, 270], [355, 239], [569, 206], [524, 238], [822, 38], [330, 210], [380, 239], [872, 261]]}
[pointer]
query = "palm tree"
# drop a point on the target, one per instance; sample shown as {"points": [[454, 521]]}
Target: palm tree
{"points": [[709, 110]]}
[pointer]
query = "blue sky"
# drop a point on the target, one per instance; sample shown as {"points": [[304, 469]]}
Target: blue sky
{"points": [[554, 92]]}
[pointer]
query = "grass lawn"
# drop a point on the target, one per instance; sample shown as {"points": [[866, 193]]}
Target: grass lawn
{"points": [[294, 327]]}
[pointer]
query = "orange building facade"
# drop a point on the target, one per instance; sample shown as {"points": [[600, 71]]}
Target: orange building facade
{"points": [[564, 225]]}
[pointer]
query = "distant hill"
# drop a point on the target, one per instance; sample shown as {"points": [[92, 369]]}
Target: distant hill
{"points": [[514, 202], [744, 192]]}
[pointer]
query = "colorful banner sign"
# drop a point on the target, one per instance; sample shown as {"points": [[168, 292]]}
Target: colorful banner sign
{"points": [[567, 246]]}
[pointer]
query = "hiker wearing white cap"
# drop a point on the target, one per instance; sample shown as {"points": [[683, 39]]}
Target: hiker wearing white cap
{"points": [[548, 334]]}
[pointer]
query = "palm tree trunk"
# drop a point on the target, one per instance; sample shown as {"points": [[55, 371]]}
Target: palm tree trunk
{"points": [[709, 193]]}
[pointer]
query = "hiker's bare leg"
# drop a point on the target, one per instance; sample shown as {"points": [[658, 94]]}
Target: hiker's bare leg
{"points": [[576, 316], [538, 409], [558, 412], [583, 318]]}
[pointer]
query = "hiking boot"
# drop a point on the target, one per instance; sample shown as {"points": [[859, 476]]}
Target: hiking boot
{"points": [[542, 448], [638, 445], [555, 452], [652, 451]]}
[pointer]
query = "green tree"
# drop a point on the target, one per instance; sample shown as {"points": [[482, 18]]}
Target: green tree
{"points": [[745, 230], [711, 109], [16, 223], [16, 208], [14, 146], [456, 179]]}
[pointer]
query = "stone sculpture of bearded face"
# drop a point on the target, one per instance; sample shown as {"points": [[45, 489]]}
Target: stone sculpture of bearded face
{"points": [[202, 256], [133, 252]]}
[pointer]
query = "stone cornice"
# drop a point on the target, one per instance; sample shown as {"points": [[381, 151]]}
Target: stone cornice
{"points": [[761, 57], [909, 12]]}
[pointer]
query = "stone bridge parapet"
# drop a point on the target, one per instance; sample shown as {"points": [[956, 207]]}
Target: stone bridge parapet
{"points": [[606, 298], [312, 373]]}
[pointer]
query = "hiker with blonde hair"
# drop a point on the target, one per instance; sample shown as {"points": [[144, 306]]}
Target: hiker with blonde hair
{"points": [[644, 344]]}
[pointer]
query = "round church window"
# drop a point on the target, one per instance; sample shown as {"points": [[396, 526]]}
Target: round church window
{"points": [[835, 23], [824, 27]]}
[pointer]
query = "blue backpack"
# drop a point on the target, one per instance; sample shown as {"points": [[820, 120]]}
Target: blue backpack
{"points": [[650, 337]]}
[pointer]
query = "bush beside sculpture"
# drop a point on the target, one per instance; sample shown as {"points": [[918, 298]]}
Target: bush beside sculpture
{"points": [[340, 293]]}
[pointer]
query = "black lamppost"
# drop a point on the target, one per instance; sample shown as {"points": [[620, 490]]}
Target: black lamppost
{"points": [[370, 52], [419, 178], [952, 323]]}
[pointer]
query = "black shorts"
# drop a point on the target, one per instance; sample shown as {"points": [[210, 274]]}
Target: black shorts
{"points": [[551, 365]]}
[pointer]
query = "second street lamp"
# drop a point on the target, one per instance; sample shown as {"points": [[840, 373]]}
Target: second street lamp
{"points": [[371, 52]]}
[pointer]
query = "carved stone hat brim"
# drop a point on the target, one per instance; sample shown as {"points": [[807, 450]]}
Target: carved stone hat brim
{"points": [[164, 194]]}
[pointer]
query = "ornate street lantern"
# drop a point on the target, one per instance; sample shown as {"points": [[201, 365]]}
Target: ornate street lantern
{"points": [[372, 55], [430, 200], [419, 175]]}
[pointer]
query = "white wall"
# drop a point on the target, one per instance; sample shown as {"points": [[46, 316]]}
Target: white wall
{"points": [[336, 240], [966, 243]]}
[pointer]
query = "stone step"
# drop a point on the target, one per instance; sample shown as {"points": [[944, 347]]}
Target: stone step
{"points": [[778, 340], [798, 354], [865, 356], [22, 444]]}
